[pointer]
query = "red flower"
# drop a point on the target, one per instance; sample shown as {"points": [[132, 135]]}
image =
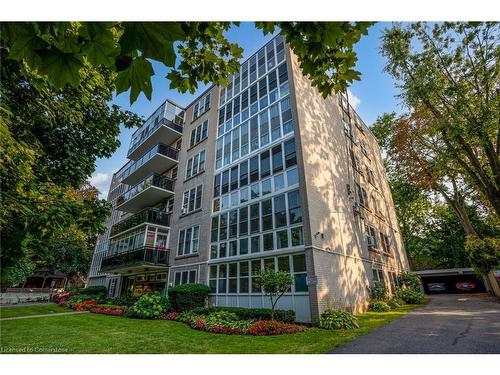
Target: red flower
{"points": [[170, 316], [272, 327]]}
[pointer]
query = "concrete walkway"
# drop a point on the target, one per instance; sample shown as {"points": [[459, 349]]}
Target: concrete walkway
{"points": [[44, 315], [449, 324]]}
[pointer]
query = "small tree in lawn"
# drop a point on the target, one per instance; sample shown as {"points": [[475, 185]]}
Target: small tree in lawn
{"points": [[274, 285]]}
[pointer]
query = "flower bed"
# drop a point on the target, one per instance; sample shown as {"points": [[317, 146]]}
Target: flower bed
{"points": [[229, 323], [115, 311]]}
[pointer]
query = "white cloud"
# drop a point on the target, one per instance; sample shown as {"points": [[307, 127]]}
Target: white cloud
{"points": [[101, 181], [353, 99]]}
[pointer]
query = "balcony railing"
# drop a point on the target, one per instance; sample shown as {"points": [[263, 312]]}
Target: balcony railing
{"points": [[149, 215], [160, 148], [163, 182], [147, 133], [143, 256]]}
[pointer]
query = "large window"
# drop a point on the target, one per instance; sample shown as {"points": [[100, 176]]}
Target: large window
{"points": [[188, 241], [257, 116], [191, 199], [185, 277], [240, 277], [196, 164], [201, 107], [199, 133]]}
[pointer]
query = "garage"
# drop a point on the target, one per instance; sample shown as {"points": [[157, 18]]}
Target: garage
{"points": [[451, 281]]}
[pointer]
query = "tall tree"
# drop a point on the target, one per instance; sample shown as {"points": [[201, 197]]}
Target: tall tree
{"points": [[449, 75]]}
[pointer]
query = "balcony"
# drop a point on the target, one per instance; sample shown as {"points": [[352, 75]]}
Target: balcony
{"points": [[157, 160], [143, 257], [147, 216], [165, 130], [150, 191]]}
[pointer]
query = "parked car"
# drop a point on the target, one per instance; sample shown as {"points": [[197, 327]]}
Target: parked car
{"points": [[465, 286], [436, 287]]}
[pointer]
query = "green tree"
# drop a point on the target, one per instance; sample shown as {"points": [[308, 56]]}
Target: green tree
{"points": [[50, 140], [274, 285], [59, 50], [448, 76]]}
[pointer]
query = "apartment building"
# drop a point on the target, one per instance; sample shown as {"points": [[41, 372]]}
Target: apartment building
{"points": [[263, 173]]}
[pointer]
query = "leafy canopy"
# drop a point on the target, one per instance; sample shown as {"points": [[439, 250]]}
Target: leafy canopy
{"points": [[193, 51]]}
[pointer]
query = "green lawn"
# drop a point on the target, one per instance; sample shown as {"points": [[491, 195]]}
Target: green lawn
{"points": [[92, 333], [11, 312]]}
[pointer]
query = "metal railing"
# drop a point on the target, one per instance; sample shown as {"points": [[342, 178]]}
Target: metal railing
{"points": [[149, 215], [145, 135], [160, 148], [162, 182], [146, 255]]}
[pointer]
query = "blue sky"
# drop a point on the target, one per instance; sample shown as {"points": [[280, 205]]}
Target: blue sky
{"points": [[374, 94]]}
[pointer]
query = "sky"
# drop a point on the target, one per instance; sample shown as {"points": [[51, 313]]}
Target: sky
{"points": [[372, 96]]}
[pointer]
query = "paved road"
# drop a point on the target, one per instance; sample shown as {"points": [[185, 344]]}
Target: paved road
{"points": [[449, 324]]}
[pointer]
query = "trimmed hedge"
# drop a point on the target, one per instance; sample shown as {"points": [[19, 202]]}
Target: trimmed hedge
{"points": [[98, 290], [287, 316], [188, 296]]}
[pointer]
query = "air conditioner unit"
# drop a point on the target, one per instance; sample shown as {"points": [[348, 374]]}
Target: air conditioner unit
{"points": [[184, 211]]}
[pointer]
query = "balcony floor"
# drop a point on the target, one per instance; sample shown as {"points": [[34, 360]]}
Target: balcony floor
{"points": [[164, 134], [157, 164]]}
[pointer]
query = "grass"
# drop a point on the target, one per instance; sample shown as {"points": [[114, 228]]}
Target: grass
{"points": [[93, 333], [15, 311]]}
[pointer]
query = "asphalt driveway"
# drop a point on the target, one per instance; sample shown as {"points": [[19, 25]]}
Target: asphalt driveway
{"points": [[449, 324]]}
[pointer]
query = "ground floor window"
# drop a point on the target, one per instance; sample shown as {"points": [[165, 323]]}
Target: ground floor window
{"points": [[185, 277], [239, 277], [378, 275]]}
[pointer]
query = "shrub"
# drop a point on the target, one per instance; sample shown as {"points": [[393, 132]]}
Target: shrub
{"points": [[126, 299], [272, 327], [99, 290], [150, 306], [107, 311], [410, 280], [395, 303], [287, 316], [188, 296], [379, 306], [172, 315], [410, 296], [337, 319], [109, 306], [378, 291], [60, 297]]}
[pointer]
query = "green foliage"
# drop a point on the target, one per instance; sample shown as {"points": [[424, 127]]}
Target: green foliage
{"points": [[188, 296], [338, 319], [396, 303], [433, 233], [126, 299], [410, 280], [484, 253], [20, 271], [150, 306], [99, 290], [410, 296], [379, 306], [287, 316], [274, 285], [60, 50], [378, 291], [448, 75], [325, 50]]}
